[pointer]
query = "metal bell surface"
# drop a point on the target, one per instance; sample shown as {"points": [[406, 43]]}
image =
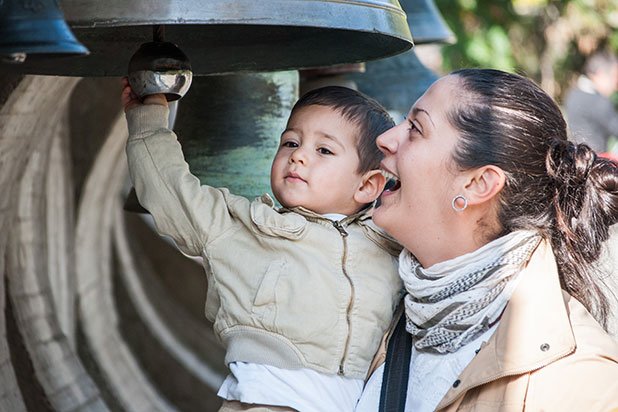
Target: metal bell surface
{"points": [[160, 67], [426, 22], [35, 29], [397, 82], [224, 36]]}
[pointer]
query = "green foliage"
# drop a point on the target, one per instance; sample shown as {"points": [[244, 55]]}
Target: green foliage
{"points": [[544, 39]]}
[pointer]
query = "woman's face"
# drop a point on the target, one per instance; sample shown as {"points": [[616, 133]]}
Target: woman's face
{"points": [[417, 210]]}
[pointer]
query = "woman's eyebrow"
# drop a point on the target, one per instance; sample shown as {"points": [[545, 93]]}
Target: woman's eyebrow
{"points": [[418, 110]]}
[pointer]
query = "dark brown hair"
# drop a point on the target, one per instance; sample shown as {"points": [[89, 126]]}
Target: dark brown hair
{"points": [[561, 189], [367, 114]]}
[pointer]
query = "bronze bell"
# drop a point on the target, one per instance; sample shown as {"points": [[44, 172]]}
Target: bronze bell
{"points": [[398, 81], [230, 141], [426, 22], [225, 36], [36, 29]]}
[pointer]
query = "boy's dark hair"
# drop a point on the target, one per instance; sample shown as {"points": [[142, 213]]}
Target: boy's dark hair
{"points": [[367, 114]]}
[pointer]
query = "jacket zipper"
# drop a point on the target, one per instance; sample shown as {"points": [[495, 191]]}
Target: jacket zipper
{"points": [[344, 257]]}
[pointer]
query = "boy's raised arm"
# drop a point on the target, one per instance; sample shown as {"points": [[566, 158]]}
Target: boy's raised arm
{"points": [[191, 214]]}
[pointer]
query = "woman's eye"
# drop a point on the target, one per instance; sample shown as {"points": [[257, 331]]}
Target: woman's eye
{"points": [[412, 127], [324, 151]]}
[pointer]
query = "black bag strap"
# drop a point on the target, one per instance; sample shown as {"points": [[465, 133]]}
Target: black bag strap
{"points": [[396, 369]]}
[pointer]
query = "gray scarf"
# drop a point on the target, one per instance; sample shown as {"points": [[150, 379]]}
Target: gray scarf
{"points": [[452, 302]]}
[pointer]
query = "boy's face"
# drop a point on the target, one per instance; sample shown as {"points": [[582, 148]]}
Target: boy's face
{"points": [[316, 165]]}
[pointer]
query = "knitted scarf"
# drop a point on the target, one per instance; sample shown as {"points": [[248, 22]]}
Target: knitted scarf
{"points": [[452, 302]]}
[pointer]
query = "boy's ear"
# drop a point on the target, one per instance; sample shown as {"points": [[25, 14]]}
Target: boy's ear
{"points": [[484, 184], [371, 187]]}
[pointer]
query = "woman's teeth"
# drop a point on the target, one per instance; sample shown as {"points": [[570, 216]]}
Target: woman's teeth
{"points": [[392, 182], [388, 175]]}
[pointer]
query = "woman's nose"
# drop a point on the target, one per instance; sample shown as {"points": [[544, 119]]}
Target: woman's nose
{"points": [[387, 142]]}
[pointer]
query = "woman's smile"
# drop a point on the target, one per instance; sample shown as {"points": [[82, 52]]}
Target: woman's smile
{"points": [[393, 183]]}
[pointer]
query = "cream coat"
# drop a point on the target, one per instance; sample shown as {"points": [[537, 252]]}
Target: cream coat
{"points": [[548, 353], [287, 288]]}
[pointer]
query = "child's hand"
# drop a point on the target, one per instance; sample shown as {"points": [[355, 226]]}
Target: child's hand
{"points": [[130, 100]]}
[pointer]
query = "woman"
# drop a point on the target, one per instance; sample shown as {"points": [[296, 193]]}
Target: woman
{"points": [[501, 218]]}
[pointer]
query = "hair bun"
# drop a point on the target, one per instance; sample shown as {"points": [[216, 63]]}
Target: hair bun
{"points": [[604, 177], [585, 186], [569, 163]]}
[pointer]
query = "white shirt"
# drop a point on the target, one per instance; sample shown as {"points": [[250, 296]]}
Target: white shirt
{"points": [[301, 389], [431, 376]]}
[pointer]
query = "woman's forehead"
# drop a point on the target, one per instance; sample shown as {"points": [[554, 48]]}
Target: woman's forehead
{"points": [[438, 99]]}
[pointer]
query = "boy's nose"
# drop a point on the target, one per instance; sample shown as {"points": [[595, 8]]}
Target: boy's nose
{"points": [[298, 156]]}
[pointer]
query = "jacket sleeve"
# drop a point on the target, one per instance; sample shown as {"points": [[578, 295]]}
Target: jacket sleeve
{"points": [[191, 214]]}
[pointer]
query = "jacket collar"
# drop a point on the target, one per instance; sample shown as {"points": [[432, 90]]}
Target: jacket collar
{"points": [[362, 217], [534, 330], [312, 216]]}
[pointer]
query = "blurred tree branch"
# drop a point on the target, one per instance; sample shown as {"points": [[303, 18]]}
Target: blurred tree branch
{"points": [[547, 40]]}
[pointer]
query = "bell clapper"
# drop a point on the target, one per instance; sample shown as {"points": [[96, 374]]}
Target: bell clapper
{"points": [[160, 67]]}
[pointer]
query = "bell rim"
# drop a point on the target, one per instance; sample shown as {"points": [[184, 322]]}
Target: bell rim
{"points": [[81, 14], [303, 34], [38, 39]]}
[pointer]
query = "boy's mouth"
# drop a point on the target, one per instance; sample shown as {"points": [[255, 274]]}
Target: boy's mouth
{"points": [[294, 177], [392, 182]]}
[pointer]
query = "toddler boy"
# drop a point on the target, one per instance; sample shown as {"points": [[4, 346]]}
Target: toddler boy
{"points": [[299, 295]]}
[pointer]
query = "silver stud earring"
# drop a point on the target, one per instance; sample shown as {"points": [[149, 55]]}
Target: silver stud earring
{"points": [[454, 203]]}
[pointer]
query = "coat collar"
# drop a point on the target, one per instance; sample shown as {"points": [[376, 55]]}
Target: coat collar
{"points": [[312, 216], [534, 330]]}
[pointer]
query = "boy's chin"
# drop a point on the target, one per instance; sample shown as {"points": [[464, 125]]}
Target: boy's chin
{"points": [[286, 203]]}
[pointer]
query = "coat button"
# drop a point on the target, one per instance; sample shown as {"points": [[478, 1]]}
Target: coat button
{"points": [[456, 383], [545, 347]]}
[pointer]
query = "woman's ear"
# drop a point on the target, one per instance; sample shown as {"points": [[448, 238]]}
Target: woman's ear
{"points": [[484, 184], [371, 186]]}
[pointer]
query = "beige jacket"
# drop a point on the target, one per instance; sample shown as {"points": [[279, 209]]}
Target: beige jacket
{"points": [[548, 353], [286, 288]]}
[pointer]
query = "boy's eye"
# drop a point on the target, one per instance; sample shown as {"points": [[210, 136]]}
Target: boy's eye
{"points": [[289, 143], [324, 151]]}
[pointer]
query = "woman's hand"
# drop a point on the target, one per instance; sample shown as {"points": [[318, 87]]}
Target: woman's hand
{"points": [[130, 100]]}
